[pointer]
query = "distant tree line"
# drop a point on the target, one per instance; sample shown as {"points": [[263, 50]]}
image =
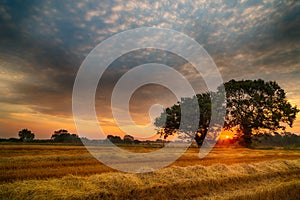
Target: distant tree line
{"points": [[285, 139], [63, 136], [59, 136], [127, 139], [265, 140]]}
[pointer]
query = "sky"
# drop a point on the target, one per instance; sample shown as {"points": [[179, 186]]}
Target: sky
{"points": [[43, 44]]}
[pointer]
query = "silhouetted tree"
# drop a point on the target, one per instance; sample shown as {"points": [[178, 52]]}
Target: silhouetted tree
{"points": [[169, 121], [114, 139], [26, 135], [136, 142], [64, 136], [128, 139], [254, 105]]}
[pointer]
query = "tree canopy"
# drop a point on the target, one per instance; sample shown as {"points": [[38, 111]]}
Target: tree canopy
{"points": [[169, 121], [128, 139], [114, 139], [63, 135], [256, 104], [26, 135], [251, 105]]}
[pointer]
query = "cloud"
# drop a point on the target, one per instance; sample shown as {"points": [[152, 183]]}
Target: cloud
{"points": [[44, 42]]}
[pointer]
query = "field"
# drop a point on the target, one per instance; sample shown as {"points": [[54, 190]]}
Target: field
{"points": [[70, 172]]}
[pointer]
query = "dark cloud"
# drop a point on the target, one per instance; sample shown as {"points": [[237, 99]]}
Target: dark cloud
{"points": [[288, 28], [151, 94]]}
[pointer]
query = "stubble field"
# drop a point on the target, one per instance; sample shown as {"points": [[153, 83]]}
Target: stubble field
{"points": [[70, 172]]}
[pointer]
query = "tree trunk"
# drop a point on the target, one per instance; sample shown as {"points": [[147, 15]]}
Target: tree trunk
{"points": [[247, 135], [200, 138]]}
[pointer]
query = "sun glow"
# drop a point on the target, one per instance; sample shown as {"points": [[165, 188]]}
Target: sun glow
{"points": [[227, 134]]}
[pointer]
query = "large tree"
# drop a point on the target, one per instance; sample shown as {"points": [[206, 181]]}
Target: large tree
{"points": [[251, 105], [256, 104], [26, 135]]}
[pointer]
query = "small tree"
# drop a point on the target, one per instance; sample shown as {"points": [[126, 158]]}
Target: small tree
{"points": [[114, 139], [63, 135], [128, 139], [26, 135]]}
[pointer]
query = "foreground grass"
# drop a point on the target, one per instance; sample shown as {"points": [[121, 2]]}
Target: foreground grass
{"points": [[263, 180], [23, 162], [70, 172]]}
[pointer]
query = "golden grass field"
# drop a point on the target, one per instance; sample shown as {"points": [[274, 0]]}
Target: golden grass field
{"points": [[70, 172]]}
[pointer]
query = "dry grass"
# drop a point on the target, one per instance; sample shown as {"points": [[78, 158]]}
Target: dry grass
{"points": [[264, 180], [70, 172], [21, 162]]}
